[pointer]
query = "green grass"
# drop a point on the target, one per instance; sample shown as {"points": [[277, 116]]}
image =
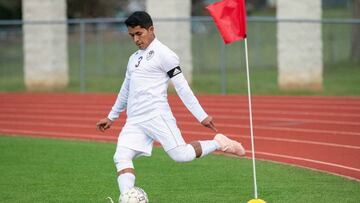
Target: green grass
{"points": [[50, 170]]}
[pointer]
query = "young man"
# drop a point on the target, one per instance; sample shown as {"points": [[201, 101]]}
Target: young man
{"points": [[144, 95]]}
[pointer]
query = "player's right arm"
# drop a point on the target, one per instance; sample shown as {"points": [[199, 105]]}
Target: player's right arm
{"points": [[118, 107], [121, 100]]}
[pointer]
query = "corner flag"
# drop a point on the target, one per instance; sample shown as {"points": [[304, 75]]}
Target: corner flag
{"points": [[230, 18]]}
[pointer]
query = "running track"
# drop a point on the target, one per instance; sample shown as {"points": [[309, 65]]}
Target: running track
{"points": [[321, 133]]}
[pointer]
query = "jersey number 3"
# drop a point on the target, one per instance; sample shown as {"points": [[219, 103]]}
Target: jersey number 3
{"points": [[139, 60]]}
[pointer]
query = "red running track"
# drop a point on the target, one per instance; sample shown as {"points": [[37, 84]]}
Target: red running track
{"points": [[321, 133]]}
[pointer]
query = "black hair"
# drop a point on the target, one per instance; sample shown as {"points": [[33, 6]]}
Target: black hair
{"points": [[139, 18]]}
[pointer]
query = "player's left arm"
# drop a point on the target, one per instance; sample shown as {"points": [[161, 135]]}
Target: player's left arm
{"points": [[171, 65], [188, 98]]}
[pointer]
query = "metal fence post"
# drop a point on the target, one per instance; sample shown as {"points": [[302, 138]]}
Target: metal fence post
{"points": [[222, 66], [99, 48], [82, 57]]}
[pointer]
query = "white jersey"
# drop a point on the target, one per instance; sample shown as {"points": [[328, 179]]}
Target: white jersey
{"points": [[144, 90]]}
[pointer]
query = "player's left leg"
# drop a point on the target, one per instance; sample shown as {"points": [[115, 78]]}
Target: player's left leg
{"points": [[164, 129], [189, 152]]}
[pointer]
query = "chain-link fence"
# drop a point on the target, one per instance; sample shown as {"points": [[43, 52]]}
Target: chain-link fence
{"points": [[98, 51]]}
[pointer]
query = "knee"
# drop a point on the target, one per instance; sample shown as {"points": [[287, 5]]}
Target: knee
{"points": [[123, 160], [183, 153]]}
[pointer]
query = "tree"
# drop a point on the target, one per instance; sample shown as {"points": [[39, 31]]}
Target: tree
{"points": [[355, 42], [94, 8], [10, 9]]}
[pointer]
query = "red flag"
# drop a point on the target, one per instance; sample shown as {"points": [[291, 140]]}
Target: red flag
{"points": [[230, 18]]}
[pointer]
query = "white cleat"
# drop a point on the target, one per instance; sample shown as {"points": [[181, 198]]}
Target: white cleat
{"points": [[229, 146]]}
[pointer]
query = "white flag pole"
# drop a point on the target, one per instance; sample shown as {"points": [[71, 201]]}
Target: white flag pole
{"points": [[250, 117]]}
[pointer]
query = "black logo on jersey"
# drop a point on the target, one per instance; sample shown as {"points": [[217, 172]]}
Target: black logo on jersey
{"points": [[173, 72], [139, 60], [150, 55]]}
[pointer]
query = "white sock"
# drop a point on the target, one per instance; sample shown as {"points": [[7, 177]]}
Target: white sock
{"points": [[126, 181], [208, 146]]}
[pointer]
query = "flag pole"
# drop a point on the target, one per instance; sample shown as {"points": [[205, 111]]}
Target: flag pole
{"points": [[250, 117]]}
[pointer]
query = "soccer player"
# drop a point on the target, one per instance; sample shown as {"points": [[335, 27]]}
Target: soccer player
{"points": [[144, 96]]}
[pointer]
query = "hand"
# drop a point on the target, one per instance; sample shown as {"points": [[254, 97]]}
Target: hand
{"points": [[208, 122], [104, 124]]}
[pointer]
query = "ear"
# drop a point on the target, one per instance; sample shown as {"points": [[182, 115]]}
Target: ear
{"points": [[151, 29]]}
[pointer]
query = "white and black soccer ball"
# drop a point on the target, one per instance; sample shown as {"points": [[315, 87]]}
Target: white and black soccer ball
{"points": [[134, 195]]}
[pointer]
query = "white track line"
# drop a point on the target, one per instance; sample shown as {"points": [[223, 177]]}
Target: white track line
{"points": [[207, 105], [49, 124], [308, 168], [328, 132], [67, 125], [304, 142], [112, 138], [182, 109], [186, 115], [278, 100], [186, 132], [214, 101], [308, 160]]}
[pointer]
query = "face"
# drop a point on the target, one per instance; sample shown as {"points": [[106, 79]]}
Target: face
{"points": [[142, 37]]}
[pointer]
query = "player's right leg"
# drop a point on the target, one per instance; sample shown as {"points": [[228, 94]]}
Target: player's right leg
{"points": [[132, 142], [125, 169]]}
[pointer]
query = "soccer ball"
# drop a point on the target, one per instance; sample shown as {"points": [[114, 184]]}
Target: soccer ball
{"points": [[134, 195]]}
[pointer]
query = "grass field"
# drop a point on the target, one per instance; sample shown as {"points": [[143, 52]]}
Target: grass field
{"points": [[50, 170]]}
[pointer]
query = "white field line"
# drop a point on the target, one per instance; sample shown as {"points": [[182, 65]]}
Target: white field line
{"points": [[186, 114], [57, 134], [48, 124], [307, 160]]}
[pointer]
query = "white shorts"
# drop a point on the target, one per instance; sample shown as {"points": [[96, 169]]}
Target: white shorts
{"points": [[140, 136]]}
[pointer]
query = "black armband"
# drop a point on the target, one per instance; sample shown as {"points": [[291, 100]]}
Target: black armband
{"points": [[175, 71]]}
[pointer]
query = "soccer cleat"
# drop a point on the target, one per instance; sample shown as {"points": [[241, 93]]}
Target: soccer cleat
{"points": [[229, 146]]}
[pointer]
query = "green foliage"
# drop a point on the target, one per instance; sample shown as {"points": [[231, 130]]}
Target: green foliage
{"points": [[94, 8], [49, 170], [10, 9]]}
